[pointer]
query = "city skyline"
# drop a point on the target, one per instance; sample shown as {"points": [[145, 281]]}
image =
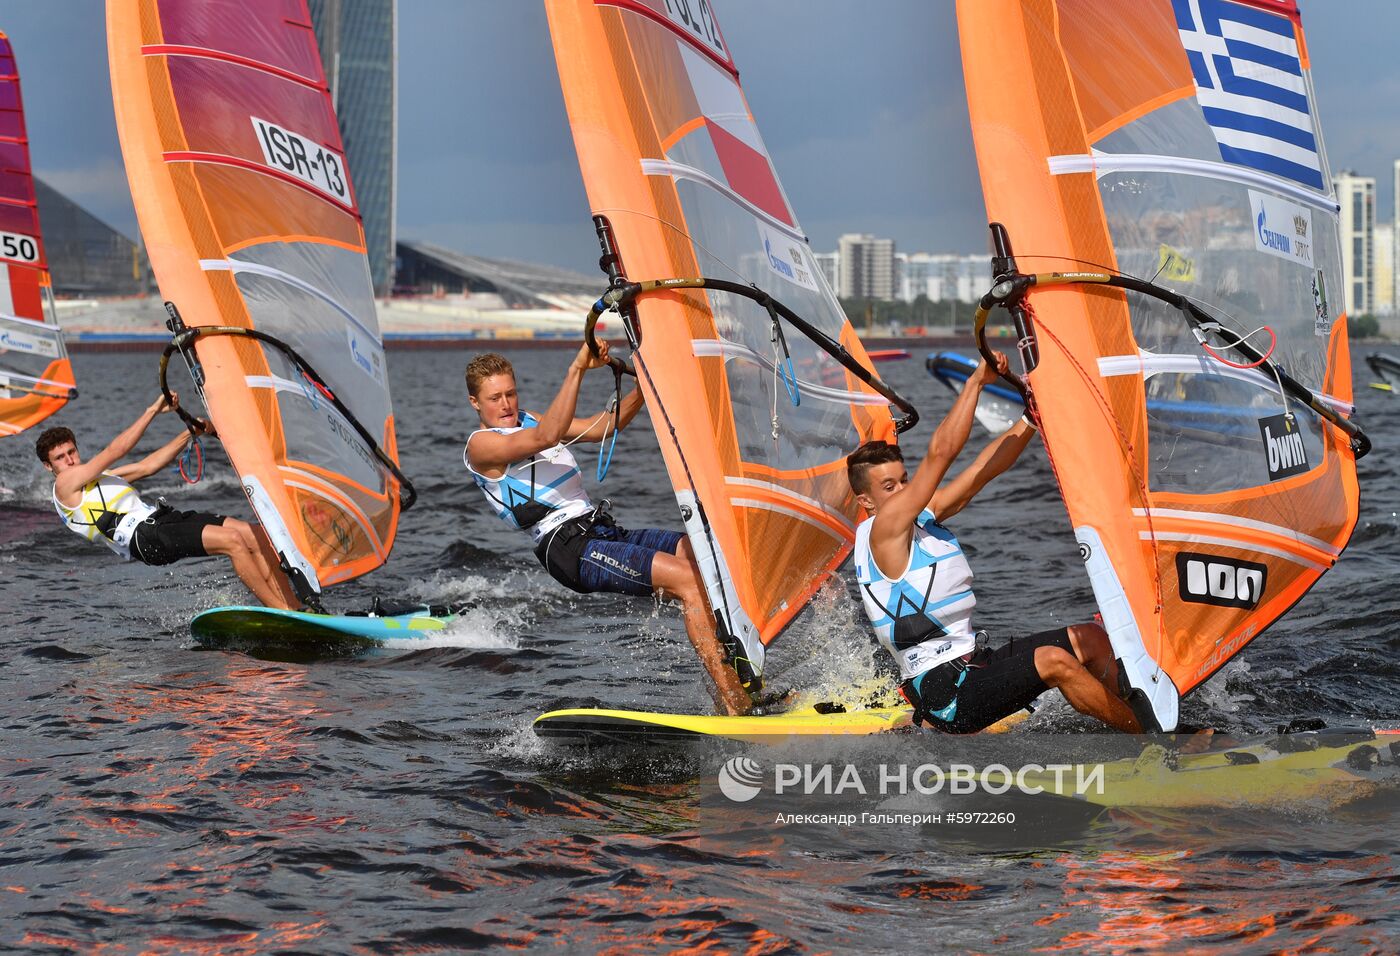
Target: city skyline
{"points": [[487, 163]]}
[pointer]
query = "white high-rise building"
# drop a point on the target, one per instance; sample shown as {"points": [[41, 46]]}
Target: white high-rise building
{"points": [[1384, 269], [1357, 196], [866, 267], [942, 277], [829, 265]]}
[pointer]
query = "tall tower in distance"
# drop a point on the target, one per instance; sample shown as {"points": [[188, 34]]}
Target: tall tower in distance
{"points": [[359, 48], [1357, 196], [866, 267]]}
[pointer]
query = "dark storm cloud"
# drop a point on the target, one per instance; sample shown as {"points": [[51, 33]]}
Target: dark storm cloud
{"points": [[861, 105]]}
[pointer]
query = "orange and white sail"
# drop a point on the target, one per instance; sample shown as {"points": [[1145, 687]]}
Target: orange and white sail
{"points": [[36, 378], [1172, 147], [238, 175], [755, 446]]}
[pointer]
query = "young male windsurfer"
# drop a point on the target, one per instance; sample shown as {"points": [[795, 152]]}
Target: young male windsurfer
{"points": [[96, 500], [522, 464], [917, 588]]}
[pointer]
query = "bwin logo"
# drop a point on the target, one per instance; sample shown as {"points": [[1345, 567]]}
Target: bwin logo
{"points": [[740, 779], [1283, 443], [1209, 579]]}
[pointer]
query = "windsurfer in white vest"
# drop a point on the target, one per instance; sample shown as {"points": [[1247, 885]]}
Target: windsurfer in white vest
{"points": [[531, 481], [916, 586], [96, 500]]}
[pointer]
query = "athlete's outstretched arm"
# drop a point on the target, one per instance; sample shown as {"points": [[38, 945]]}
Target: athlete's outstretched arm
{"points": [[896, 517], [159, 458], [492, 451], [998, 456], [595, 428], [75, 478]]}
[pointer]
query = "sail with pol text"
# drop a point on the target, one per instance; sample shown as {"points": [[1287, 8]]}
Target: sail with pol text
{"points": [[1167, 242], [36, 378], [249, 216], [756, 384]]}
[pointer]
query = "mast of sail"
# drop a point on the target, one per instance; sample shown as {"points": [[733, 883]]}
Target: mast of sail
{"points": [[36, 378], [250, 220], [754, 418]]}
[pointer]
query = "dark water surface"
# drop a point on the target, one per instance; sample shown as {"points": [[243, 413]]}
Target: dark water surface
{"points": [[159, 798]]}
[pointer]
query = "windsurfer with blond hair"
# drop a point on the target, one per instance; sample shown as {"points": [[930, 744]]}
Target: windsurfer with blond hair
{"points": [[916, 586], [522, 464], [96, 500]]}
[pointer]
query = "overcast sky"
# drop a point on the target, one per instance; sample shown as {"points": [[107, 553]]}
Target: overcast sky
{"points": [[860, 103]]}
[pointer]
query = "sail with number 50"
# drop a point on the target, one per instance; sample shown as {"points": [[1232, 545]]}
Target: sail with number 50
{"points": [[1169, 247], [239, 179], [36, 378], [756, 383]]}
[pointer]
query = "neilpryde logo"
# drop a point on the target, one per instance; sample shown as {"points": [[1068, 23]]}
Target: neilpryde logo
{"points": [[740, 779]]}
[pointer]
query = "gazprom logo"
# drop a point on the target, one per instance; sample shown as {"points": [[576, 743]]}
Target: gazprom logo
{"points": [[1269, 238], [780, 265], [1224, 582], [9, 340]]}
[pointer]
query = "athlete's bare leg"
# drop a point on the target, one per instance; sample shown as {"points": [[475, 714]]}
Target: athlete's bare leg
{"points": [[235, 540], [1088, 678], [268, 555], [675, 575]]}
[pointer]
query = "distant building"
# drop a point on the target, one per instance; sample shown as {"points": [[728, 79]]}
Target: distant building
{"points": [[1357, 196], [1384, 269], [829, 264], [427, 269], [86, 256], [866, 267], [359, 49], [944, 277]]}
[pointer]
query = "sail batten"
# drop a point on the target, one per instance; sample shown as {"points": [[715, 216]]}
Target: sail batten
{"points": [[1176, 138]]}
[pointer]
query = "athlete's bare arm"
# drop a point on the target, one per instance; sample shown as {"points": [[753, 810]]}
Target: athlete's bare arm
{"points": [[72, 480], [160, 458], [595, 428], [894, 523], [953, 496], [491, 452]]}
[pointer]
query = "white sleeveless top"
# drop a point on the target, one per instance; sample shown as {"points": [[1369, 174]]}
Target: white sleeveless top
{"points": [[924, 616], [538, 494], [109, 510]]}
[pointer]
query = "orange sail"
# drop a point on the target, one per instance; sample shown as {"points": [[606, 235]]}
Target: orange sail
{"points": [[239, 180], [754, 419], [36, 378], [1171, 251]]}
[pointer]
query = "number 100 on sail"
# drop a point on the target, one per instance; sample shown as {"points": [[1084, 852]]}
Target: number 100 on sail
{"points": [[304, 159]]}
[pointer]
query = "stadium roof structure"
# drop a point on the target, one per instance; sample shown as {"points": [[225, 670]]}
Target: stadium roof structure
{"points": [[520, 284]]}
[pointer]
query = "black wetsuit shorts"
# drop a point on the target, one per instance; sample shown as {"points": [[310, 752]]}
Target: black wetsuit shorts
{"points": [[169, 535], [965, 695]]}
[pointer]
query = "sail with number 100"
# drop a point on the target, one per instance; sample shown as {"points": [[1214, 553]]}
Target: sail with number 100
{"points": [[1159, 171], [239, 179], [36, 378]]}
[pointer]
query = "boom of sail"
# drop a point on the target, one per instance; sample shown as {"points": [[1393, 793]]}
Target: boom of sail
{"points": [[239, 179], [757, 385], [36, 378], [1169, 248]]}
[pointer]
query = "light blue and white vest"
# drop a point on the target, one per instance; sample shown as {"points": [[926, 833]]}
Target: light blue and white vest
{"points": [[923, 616], [538, 494]]}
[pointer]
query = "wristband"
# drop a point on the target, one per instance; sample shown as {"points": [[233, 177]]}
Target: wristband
{"points": [[1027, 419]]}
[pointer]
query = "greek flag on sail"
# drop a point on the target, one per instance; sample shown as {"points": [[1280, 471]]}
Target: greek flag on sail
{"points": [[1250, 83]]}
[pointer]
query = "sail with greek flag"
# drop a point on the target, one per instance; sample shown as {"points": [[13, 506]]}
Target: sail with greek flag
{"points": [[36, 378], [248, 211], [755, 382], [1167, 243]]}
